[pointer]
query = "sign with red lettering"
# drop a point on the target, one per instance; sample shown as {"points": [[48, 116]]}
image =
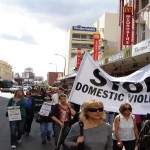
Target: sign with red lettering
{"points": [[78, 58], [127, 30], [96, 38]]}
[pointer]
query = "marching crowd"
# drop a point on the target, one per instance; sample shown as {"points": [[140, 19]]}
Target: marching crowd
{"points": [[86, 127]]}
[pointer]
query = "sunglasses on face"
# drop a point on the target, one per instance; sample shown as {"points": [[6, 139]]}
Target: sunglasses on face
{"points": [[49, 100], [62, 98], [96, 109], [125, 109]]}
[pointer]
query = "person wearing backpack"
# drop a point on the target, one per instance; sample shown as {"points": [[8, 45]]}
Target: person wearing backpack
{"points": [[125, 129], [95, 133]]}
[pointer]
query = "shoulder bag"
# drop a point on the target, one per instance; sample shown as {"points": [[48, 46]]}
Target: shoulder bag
{"points": [[39, 119], [81, 145]]}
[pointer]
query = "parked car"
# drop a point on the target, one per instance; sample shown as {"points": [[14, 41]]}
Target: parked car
{"points": [[14, 88]]}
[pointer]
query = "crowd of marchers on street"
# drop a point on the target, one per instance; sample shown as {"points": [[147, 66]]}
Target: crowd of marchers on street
{"points": [[75, 127]]}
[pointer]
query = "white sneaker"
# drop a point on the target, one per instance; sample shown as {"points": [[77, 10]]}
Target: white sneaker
{"points": [[13, 146], [19, 141]]}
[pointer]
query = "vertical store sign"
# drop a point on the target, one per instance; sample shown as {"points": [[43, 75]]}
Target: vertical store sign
{"points": [[127, 25], [96, 38], [78, 58]]}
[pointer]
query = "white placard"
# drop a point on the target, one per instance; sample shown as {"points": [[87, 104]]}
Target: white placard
{"points": [[45, 109], [14, 113]]}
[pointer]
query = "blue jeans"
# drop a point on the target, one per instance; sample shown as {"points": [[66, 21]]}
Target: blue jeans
{"points": [[46, 128], [110, 118], [64, 134], [16, 130]]}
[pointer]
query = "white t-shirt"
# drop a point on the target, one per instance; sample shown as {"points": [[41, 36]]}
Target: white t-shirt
{"points": [[126, 129], [55, 98]]}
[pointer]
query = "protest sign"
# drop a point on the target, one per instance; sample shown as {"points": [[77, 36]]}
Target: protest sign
{"points": [[14, 113], [45, 109], [92, 82]]}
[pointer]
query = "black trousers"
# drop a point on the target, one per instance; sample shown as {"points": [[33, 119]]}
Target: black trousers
{"points": [[28, 123], [129, 145]]}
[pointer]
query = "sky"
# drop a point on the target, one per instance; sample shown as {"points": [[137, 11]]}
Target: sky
{"points": [[33, 31]]}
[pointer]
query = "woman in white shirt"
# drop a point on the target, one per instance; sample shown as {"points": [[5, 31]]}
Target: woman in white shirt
{"points": [[125, 129]]}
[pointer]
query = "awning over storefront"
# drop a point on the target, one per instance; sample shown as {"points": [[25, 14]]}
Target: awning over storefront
{"points": [[127, 61]]}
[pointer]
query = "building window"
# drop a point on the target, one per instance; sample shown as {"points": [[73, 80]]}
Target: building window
{"points": [[88, 46], [143, 31], [75, 35], [82, 36]]}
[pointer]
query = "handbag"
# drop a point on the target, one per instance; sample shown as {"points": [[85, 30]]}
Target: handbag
{"points": [[6, 114], [39, 119]]}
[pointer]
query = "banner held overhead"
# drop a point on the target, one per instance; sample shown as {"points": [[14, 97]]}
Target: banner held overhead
{"points": [[92, 82]]}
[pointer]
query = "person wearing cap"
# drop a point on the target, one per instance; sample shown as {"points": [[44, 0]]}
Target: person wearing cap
{"points": [[61, 114], [46, 124]]}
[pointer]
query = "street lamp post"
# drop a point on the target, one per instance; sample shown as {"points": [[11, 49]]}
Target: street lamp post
{"points": [[55, 65], [65, 62]]}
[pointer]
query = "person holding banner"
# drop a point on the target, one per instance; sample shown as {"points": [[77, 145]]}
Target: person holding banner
{"points": [[97, 134], [61, 114], [17, 123], [125, 129]]}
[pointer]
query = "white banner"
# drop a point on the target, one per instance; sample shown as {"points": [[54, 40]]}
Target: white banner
{"points": [[14, 113], [45, 109], [94, 83]]}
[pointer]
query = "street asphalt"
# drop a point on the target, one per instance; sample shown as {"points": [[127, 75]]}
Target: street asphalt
{"points": [[31, 142]]}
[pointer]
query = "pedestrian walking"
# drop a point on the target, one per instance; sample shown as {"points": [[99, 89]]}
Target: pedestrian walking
{"points": [[46, 124], [125, 129], [30, 107], [97, 134], [17, 127], [61, 114]]}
